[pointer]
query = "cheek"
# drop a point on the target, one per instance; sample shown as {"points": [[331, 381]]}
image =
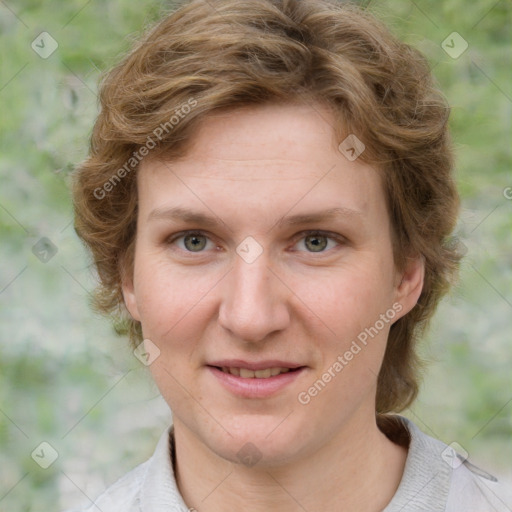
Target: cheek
{"points": [[349, 298], [175, 306], [350, 310], [347, 306], [172, 312], [167, 297]]}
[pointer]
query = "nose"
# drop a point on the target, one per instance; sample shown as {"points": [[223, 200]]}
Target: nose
{"points": [[254, 301]]}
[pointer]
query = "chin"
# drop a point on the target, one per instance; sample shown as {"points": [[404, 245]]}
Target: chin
{"points": [[257, 455], [256, 442]]}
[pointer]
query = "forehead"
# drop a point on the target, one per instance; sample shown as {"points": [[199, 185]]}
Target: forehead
{"points": [[265, 133], [263, 156]]}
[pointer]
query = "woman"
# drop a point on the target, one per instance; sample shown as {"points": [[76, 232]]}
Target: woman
{"points": [[269, 201]]}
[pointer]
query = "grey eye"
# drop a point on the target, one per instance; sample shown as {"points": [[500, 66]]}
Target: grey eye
{"points": [[316, 243], [194, 243]]}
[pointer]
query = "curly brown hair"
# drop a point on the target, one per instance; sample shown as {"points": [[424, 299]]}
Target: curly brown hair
{"points": [[214, 55]]}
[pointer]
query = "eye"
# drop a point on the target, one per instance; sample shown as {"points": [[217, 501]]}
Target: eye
{"points": [[192, 241], [311, 241], [318, 241]]}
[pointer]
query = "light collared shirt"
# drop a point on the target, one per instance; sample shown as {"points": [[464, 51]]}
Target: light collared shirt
{"points": [[435, 479]]}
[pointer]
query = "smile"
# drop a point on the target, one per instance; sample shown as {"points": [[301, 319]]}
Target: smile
{"points": [[246, 373], [263, 382]]}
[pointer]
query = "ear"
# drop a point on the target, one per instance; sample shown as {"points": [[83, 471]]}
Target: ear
{"points": [[409, 284], [129, 296]]}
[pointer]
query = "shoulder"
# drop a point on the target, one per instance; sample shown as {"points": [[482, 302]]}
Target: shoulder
{"points": [[474, 490], [149, 487], [123, 495], [126, 493], [437, 478]]}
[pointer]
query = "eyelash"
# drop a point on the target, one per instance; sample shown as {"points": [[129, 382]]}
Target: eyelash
{"points": [[303, 234]]}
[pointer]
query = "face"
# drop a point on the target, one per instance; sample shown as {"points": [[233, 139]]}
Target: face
{"points": [[264, 274]]}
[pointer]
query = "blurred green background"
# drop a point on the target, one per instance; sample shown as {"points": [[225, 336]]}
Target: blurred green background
{"points": [[68, 380]]}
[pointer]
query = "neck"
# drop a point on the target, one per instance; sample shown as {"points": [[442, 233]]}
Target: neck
{"points": [[358, 467]]}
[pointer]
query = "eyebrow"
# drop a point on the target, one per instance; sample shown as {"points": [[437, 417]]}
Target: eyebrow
{"points": [[191, 216]]}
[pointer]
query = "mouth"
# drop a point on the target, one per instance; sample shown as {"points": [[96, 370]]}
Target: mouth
{"points": [[255, 380], [247, 373]]}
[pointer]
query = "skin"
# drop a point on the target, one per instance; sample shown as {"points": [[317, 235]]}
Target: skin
{"points": [[250, 168]]}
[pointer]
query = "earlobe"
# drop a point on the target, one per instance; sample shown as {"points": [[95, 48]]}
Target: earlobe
{"points": [[410, 283], [129, 298]]}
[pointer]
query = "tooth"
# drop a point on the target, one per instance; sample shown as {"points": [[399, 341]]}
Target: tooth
{"points": [[275, 371], [285, 370], [234, 371], [246, 374], [263, 374], [225, 369]]}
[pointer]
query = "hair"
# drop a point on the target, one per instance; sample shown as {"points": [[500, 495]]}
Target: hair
{"points": [[217, 55]]}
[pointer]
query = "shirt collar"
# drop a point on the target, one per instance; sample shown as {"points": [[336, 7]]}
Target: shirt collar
{"points": [[425, 483], [159, 491]]}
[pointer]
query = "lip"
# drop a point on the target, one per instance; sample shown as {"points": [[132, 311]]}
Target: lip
{"points": [[255, 365], [255, 387]]}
